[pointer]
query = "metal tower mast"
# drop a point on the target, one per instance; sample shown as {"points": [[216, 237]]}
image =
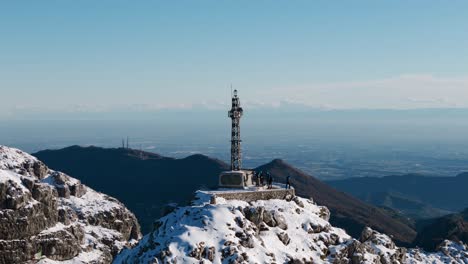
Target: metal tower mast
{"points": [[235, 114]]}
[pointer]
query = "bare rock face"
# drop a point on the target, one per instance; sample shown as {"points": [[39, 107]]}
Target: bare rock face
{"points": [[284, 238], [280, 220], [269, 219], [46, 214], [254, 214], [60, 244]]}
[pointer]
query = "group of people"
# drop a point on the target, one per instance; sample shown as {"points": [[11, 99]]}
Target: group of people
{"points": [[261, 179]]}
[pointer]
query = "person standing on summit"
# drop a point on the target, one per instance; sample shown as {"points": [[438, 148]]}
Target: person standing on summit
{"points": [[288, 182], [270, 181], [259, 175]]}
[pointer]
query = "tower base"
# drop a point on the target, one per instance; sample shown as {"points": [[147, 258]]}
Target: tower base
{"points": [[236, 179]]}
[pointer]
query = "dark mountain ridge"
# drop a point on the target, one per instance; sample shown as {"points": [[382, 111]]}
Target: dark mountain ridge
{"points": [[453, 227], [146, 182], [417, 196]]}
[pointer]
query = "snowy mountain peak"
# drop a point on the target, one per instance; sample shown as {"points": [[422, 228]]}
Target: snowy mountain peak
{"points": [[268, 231], [20, 162], [49, 217]]}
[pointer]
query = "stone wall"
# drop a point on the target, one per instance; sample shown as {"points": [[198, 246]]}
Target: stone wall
{"points": [[257, 195]]}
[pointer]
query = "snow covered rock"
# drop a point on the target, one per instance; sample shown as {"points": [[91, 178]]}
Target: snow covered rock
{"points": [[49, 217], [232, 231], [268, 231]]}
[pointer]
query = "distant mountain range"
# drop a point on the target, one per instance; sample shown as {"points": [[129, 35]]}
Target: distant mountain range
{"points": [[147, 182], [413, 195]]}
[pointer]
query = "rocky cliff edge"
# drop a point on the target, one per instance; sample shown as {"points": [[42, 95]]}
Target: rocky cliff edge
{"points": [[49, 217]]}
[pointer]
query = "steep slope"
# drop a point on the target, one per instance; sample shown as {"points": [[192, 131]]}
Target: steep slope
{"points": [[450, 191], [123, 172], [46, 215], [453, 227], [347, 211], [294, 230]]}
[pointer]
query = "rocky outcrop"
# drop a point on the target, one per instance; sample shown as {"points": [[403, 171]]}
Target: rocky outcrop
{"points": [[269, 231], [372, 247], [46, 214]]}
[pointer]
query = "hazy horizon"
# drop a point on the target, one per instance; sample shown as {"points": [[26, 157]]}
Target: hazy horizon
{"points": [[326, 143]]}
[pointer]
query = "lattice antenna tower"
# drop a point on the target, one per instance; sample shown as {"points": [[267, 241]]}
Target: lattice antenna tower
{"points": [[235, 114]]}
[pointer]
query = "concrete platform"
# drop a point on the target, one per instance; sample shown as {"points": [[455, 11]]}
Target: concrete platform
{"points": [[253, 193]]}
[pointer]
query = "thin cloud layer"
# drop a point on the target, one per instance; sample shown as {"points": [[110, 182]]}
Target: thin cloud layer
{"points": [[401, 92]]}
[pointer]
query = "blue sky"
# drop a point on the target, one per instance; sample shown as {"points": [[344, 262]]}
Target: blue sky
{"points": [[107, 55]]}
